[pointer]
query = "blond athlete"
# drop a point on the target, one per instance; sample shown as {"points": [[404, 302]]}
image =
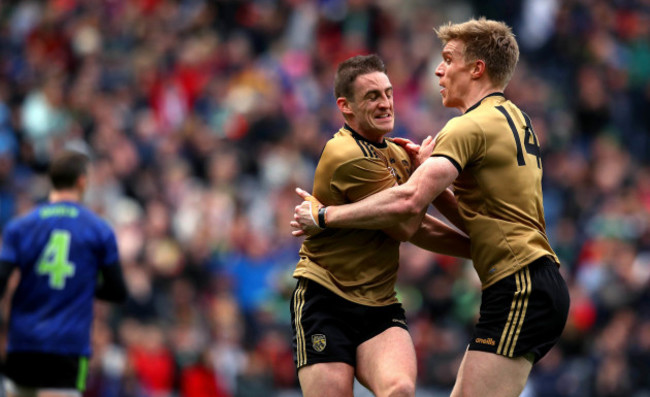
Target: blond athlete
{"points": [[491, 155], [347, 321]]}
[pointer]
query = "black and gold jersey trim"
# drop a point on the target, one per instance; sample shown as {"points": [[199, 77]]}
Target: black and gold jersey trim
{"points": [[477, 104], [362, 147], [453, 161], [517, 314], [298, 304]]}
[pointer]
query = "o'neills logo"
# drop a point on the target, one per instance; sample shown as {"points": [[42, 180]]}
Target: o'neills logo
{"points": [[484, 341]]}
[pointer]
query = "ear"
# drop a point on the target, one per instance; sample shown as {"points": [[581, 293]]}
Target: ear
{"points": [[82, 183], [344, 106], [478, 69]]}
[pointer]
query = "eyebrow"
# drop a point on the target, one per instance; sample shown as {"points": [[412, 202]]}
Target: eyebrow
{"points": [[376, 91]]}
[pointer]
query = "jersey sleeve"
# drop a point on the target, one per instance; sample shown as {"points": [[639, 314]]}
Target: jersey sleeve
{"points": [[8, 252], [461, 141], [109, 244], [360, 178]]}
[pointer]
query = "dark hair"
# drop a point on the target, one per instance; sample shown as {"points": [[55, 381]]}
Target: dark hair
{"points": [[351, 68], [66, 168], [491, 41]]}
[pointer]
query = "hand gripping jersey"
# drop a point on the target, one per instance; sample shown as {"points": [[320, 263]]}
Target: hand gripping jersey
{"points": [[499, 187], [58, 248], [359, 265]]}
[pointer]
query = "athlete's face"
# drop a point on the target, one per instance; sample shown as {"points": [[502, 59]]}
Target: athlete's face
{"points": [[371, 111], [455, 75]]}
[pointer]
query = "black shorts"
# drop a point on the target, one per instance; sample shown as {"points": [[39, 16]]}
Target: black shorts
{"points": [[329, 328], [524, 313], [47, 371]]}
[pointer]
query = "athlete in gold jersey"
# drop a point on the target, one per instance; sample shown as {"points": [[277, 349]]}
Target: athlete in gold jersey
{"points": [[499, 185], [346, 319], [358, 265], [492, 156]]}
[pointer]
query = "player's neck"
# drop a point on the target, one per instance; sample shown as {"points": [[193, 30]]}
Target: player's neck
{"points": [[57, 196], [477, 95], [370, 137]]}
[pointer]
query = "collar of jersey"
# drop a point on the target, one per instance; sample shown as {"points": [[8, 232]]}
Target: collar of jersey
{"points": [[358, 136], [482, 99]]}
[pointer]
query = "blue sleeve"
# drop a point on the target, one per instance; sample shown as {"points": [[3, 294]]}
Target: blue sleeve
{"points": [[9, 251], [111, 254]]}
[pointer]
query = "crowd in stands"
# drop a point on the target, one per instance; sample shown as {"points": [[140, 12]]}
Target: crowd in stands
{"points": [[202, 117]]}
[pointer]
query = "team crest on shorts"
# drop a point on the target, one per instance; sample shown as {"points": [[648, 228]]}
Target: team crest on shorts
{"points": [[319, 342]]}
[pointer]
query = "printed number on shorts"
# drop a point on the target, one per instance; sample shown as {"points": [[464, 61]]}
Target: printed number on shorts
{"points": [[531, 145], [54, 259]]}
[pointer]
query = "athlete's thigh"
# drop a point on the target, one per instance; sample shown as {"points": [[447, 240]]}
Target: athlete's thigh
{"points": [[484, 374], [386, 360], [326, 380]]}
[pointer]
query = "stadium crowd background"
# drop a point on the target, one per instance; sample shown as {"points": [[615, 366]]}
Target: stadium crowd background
{"points": [[202, 117]]}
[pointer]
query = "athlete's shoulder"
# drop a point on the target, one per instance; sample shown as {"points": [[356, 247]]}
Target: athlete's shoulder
{"points": [[463, 124], [395, 146], [344, 147], [95, 219], [490, 111], [24, 221]]}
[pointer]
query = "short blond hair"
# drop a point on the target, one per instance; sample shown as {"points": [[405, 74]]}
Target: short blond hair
{"points": [[490, 41]]}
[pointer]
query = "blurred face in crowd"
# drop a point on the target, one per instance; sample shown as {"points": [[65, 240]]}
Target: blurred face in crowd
{"points": [[455, 75], [370, 112]]}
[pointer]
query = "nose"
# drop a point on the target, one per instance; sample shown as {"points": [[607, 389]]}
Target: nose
{"points": [[440, 69], [385, 101]]}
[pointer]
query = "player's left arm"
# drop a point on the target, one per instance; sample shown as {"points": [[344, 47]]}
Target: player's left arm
{"points": [[448, 206], [110, 283], [436, 236], [111, 286]]}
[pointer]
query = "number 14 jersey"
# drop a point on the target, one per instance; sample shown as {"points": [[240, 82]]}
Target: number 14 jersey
{"points": [[499, 186], [58, 248]]}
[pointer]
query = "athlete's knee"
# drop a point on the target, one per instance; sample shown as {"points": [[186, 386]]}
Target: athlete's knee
{"points": [[401, 387]]}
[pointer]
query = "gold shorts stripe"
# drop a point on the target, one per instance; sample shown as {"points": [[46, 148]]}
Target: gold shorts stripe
{"points": [[516, 315], [514, 318], [515, 301], [298, 304], [525, 278], [521, 288]]}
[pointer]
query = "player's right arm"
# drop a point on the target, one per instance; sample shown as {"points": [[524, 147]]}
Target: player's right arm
{"points": [[406, 229], [354, 175], [387, 208], [8, 256], [6, 268]]}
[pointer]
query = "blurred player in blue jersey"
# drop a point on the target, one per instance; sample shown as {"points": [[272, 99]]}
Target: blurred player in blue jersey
{"points": [[66, 256]]}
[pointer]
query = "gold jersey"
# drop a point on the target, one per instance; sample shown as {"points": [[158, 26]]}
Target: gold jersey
{"points": [[358, 265], [499, 187]]}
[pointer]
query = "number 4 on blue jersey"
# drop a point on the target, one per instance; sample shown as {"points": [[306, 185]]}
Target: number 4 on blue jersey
{"points": [[54, 261]]}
